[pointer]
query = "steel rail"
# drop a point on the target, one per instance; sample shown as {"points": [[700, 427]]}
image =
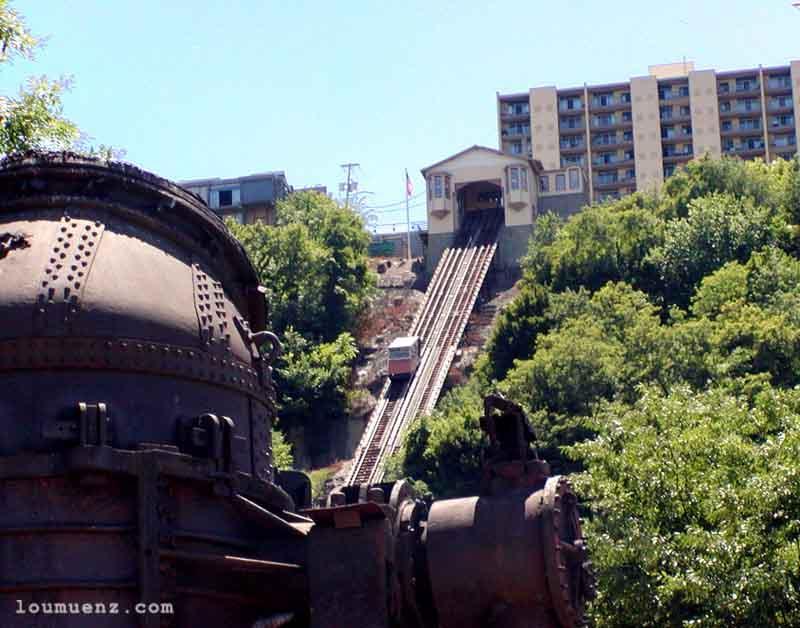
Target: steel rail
{"points": [[439, 322]]}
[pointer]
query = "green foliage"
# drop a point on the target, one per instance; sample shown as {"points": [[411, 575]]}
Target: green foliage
{"points": [[281, 451], [33, 119], [773, 186], [718, 229], [514, 335], [655, 345], [313, 264], [602, 243], [312, 379], [319, 479], [442, 451], [696, 509]]}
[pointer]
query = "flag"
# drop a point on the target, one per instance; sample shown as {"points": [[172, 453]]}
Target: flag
{"points": [[409, 185]]}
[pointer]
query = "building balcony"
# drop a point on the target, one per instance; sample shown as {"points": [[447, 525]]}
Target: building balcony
{"points": [[605, 184], [573, 148], [677, 157], [515, 117], [676, 138], [571, 130], [787, 108], [515, 135], [779, 90], [744, 151], [673, 97], [752, 90], [782, 128], [617, 105]]}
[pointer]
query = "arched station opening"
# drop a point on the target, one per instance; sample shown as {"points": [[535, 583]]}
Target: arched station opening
{"points": [[478, 199]]}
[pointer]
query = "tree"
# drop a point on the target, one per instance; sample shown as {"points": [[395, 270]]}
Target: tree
{"points": [[718, 228], [313, 263], [695, 502], [33, 119]]}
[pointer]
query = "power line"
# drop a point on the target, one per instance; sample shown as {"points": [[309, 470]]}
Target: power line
{"points": [[417, 195], [391, 211]]}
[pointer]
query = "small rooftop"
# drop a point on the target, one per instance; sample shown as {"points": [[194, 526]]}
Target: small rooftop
{"points": [[219, 181], [404, 342]]}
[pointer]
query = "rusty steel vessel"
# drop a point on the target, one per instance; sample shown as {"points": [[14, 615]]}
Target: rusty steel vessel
{"points": [[136, 479]]}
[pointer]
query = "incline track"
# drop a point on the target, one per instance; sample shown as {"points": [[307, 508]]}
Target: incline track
{"points": [[439, 323]]}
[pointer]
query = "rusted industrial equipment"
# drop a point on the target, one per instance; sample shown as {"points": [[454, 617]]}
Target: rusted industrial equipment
{"points": [[136, 480]]}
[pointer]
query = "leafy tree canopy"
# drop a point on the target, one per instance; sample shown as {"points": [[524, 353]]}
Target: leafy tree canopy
{"points": [[655, 345]]}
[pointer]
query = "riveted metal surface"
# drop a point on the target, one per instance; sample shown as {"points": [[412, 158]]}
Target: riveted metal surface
{"points": [[133, 355], [212, 315], [66, 273]]}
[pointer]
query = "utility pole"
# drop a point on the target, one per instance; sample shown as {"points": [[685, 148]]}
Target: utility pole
{"points": [[348, 185]]}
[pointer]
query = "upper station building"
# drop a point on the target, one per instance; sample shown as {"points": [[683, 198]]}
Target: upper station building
{"points": [[631, 135], [485, 180]]}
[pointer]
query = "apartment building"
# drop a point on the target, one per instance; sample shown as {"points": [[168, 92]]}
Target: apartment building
{"points": [[631, 135], [245, 199]]}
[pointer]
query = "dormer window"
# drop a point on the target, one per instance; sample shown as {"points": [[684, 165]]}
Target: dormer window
{"points": [[440, 186], [518, 178]]}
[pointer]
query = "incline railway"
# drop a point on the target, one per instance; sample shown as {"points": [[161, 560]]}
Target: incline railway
{"points": [[439, 323]]}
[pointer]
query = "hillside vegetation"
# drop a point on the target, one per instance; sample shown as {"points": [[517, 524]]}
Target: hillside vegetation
{"points": [[313, 264], [655, 344]]}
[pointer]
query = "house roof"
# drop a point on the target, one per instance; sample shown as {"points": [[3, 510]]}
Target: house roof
{"points": [[493, 151]]}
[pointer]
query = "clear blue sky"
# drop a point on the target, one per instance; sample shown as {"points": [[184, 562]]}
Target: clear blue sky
{"points": [[201, 88]]}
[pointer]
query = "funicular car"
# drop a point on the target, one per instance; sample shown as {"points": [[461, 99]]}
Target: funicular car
{"points": [[403, 357]]}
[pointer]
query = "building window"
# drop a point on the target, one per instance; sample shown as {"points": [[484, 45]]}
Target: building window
{"points": [[544, 184], [625, 97], [725, 106], [514, 178], [567, 103], [606, 119], [630, 174], [447, 186], [746, 84], [229, 197], [683, 90], [517, 108], [627, 136], [225, 198], [685, 111], [780, 102], [628, 155], [627, 116], [561, 183], [778, 121], [666, 112], [778, 82], [724, 88], [667, 131], [574, 179], [516, 148], [602, 100], [750, 124], [523, 178], [572, 122], [669, 170], [727, 125], [438, 190]]}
